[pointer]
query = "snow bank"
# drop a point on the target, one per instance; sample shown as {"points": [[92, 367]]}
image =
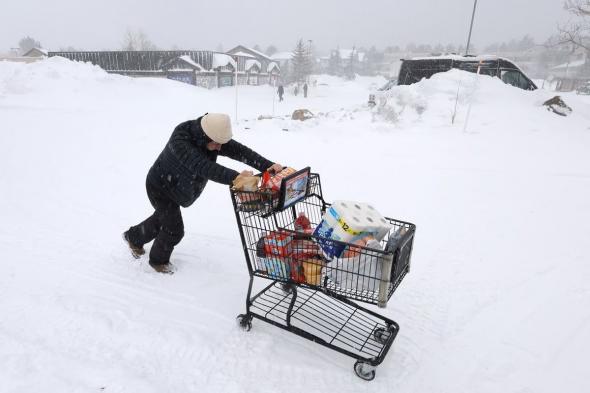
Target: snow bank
{"points": [[437, 100], [49, 74]]}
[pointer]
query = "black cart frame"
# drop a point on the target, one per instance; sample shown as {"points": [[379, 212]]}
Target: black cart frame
{"points": [[321, 307]]}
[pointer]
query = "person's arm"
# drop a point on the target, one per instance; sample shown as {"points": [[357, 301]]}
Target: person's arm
{"points": [[236, 151], [197, 163]]}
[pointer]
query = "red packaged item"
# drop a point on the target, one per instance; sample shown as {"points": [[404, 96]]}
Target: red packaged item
{"points": [[302, 223], [304, 249], [274, 182], [278, 244], [297, 273]]}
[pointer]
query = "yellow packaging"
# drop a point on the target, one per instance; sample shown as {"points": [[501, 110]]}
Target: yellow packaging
{"points": [[312, 269]]}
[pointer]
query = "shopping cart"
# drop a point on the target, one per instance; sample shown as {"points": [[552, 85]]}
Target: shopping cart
{"points": [[313, 297]]}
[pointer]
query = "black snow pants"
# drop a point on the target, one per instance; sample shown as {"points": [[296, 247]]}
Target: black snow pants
{"points": [[165, 226]]}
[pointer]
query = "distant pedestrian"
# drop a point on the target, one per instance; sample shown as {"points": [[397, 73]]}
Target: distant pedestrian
{"points": [[281, 91], [296, 90], [305, 90]]}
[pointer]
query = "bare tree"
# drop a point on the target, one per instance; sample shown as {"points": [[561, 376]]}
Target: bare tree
{"points": [[137, 40], [577, 32], [144, 42], [27, 43], [129, 40]]}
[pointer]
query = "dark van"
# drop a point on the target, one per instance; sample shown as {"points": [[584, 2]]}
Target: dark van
{"points": [[414, 70]]}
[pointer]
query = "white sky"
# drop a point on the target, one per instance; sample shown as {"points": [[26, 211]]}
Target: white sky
{"points": [[101, 24]]}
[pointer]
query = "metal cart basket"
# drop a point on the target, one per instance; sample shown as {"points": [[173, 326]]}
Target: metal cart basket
{"points": [[313, 296]]}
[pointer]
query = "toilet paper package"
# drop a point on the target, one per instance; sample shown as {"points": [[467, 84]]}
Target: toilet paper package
{"points": [[379, 222], [347, 222]]}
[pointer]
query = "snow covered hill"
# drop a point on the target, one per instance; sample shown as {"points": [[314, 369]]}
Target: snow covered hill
{"points": [[498, 299]]}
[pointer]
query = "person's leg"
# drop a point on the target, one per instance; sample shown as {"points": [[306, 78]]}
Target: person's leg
{"points": [[147, 230], [170, 234]]}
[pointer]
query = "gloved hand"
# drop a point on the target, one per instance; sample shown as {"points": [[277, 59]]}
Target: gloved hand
{"points": [[246, 182], [275, 168]]}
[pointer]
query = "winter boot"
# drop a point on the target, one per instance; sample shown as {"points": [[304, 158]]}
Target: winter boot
{"points": [[165, 268], [136, 251]]}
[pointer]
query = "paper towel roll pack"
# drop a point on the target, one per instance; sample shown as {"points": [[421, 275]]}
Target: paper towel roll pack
{"points": [[347, 221]]}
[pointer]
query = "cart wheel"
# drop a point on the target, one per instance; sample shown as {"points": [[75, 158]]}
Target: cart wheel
{"points": [[244, 322], [364, 370], [381, 335]]}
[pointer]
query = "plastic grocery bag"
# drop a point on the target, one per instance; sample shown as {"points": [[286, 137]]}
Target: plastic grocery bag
{"points": [[361, 271]]}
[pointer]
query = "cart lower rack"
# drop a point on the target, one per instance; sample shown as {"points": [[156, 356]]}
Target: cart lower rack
{"points": [[320, 307]]}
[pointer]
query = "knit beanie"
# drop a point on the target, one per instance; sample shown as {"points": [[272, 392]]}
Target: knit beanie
{"points": [[217, 126]]}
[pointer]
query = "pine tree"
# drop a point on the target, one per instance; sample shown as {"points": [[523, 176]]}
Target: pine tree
{"points": [[301, 62], [334, 62]]}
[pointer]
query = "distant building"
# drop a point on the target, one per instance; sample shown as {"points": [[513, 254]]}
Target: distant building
{"points": [[285, 61], [346, 62], [30, 56], [259, 68], [36, 52], [202, 68], [571, 75]]}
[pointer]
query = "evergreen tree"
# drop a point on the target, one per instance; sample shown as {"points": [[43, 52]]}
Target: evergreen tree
{"points": [[527, 42], [372, 60], [301, 61], [271, 50], [334, 66], [351, 70]]}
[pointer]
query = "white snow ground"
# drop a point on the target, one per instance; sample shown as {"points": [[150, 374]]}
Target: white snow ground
{"points": [[498, 299]]}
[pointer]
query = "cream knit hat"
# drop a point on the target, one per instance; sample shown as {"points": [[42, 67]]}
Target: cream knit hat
{"points": [[217, 126]]}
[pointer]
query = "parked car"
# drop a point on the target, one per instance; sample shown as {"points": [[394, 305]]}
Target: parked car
{"points": [[584, 89], [416, 69]]}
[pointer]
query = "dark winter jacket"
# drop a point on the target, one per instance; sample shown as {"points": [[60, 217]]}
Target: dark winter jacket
{"points": [[185, 165]]}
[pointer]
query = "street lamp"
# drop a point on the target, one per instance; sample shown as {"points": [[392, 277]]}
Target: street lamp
{"points": [[470, 28]]}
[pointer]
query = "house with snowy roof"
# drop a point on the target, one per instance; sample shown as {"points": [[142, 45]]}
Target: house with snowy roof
{"points": [[259, 68], [30, 56], [36, 52], [202, 68]]}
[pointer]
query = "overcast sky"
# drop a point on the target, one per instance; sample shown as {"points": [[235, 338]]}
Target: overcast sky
{"points": [[101, 24]]}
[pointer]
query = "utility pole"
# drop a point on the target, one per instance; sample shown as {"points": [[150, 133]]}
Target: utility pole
{"points": [[470, 28], [309, 60], [236, 113]]}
